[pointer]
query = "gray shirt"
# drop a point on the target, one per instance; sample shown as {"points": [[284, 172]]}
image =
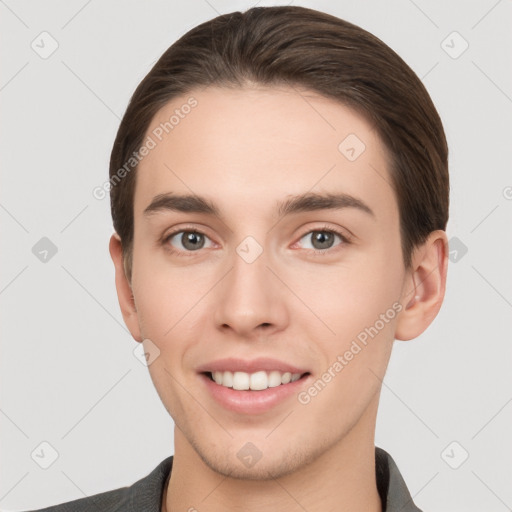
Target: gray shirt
{"points": [[145, 495]]}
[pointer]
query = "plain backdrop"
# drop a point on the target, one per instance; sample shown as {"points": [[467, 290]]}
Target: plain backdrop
{"points": [[69, 377]]}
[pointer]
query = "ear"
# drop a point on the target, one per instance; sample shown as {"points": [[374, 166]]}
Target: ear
{"points": [[424, 287], [124, 289]]}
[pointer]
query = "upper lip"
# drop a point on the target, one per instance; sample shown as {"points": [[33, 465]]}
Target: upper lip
{"points": [[252, 366]]}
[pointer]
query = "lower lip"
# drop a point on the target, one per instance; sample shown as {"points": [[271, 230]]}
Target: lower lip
{"points": [[252, 402]]}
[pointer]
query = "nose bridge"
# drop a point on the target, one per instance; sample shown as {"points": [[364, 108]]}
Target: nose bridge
{"points": [[249, 277], [248, 297]]}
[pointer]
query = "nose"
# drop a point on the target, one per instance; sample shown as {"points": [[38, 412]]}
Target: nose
{"points": [[250, 300]]}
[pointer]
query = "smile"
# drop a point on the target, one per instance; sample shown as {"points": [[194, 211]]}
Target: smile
{"points": [[253, 393], [243, 381]]}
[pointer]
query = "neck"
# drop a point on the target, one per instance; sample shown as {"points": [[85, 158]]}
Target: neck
{"points": [[341, 479]]}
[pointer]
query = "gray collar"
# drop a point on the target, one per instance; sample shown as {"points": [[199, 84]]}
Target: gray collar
{"points": [[392, 488], [146, 494], [391, 485]]}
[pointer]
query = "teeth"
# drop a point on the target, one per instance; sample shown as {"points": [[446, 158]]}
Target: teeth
{"points": [[255, 381], [258, 380], [227, 379], [241, 381], [274, 379]]}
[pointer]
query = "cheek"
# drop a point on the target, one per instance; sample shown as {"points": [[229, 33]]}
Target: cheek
{"points": [[165, 295], [360, 309], [348, 298]]}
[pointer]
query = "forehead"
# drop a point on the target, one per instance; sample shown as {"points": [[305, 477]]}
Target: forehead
{"points": [[254, 146]]}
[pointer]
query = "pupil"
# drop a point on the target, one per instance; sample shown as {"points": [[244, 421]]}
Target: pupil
{"points": [[323, 238], [192, 241]]}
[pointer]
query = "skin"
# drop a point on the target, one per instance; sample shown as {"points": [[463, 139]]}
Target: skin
{"points": [[247, 149]]}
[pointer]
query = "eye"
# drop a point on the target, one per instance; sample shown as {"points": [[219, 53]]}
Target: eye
{"points": [[322, 239], [187, 241]]}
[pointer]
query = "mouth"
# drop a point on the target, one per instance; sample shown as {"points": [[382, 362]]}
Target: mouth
{"points": [[256, 393], [257, 381]]}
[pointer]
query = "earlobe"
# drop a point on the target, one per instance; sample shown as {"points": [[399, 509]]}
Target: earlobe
{"points": [[124, 290], [424, 288]]}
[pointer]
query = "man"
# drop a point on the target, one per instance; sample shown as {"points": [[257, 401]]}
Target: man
{"points": [[279, 188]]}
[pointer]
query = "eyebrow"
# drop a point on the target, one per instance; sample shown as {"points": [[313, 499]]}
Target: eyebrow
{"points": [[309, 201]]}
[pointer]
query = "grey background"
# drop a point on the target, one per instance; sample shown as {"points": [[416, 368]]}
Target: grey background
{"points": [[68, 373]]}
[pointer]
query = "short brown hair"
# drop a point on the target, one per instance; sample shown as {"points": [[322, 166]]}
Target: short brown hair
{"points": [[296, 46]]}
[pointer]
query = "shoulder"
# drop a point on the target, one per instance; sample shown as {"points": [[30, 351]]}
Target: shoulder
{"points": [[145, 494]]}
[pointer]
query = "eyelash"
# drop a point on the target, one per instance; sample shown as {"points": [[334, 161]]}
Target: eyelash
{"points": [[346, 240]]}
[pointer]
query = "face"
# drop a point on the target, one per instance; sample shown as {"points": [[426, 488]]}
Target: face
{"points": [[285, 264]]}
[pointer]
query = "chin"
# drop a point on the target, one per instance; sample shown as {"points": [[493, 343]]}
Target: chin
{"points": [[276, 464]]}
